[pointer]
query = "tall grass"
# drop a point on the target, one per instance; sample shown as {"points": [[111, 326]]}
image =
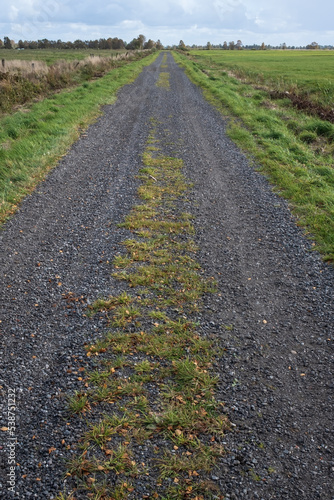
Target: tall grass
{"points": [[50, 56], [22, 80], [32, 140]]}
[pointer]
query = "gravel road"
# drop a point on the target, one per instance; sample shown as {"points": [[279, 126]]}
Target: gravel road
{"points": [[274, 315]]}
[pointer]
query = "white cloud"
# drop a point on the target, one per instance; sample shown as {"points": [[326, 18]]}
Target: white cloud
{"points": [[13, 13], [194, 21]]}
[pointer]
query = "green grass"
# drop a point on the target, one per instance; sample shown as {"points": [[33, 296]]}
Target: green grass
{"points": [[294, 149], [32, 141], [309, 71]]}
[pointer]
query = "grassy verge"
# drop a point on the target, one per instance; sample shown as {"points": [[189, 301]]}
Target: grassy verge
{"points": [[293, 149], [149, 403], [33, 140], [303, 76], [21, 82]]}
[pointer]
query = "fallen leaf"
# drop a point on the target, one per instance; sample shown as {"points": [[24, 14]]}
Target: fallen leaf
{"points": [[52, 449], [4, 429]]}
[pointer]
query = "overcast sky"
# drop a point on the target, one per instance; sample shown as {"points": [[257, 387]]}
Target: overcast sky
{"points": [[295, 22]]}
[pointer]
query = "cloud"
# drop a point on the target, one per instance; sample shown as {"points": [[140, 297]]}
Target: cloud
{"points": [[190, 20]]}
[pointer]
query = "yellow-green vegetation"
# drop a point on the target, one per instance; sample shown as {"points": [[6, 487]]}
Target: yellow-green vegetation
{"points": [[34, 139], [155, 370], [163, 80], [164, 61], [294, 149]]}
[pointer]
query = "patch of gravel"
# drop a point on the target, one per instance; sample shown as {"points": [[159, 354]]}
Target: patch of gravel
{"points": [[274, 313]]}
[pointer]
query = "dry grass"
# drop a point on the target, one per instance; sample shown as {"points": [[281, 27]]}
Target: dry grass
{"points": [[37, 69], [21, 81]]}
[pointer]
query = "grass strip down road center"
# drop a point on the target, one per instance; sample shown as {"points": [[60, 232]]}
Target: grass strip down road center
{"points": [[153, 386]]}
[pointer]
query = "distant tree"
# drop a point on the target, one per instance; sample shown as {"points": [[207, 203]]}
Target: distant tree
{"points": [[313, 46], [133, 45], [117, 44], [263, 47], [225, 47], [231, 45], [1, 44], [79, 44], [32, 45], [283, 46], [7, 43], [208, 46], [93, 44], [149, 44], [109, 43], [159, 45], [141, 40], [239, 45], [182, 45], [43, 44]]}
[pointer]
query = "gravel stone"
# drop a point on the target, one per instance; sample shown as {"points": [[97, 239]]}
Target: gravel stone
{"points": [[274, 315]]}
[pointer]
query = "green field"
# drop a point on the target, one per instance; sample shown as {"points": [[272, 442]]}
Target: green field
{"points": [[279, 124], [307, 71], [50, 56]]}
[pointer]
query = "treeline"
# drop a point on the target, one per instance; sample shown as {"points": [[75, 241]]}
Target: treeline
{"points": [[239, 46], [139, 43]]}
